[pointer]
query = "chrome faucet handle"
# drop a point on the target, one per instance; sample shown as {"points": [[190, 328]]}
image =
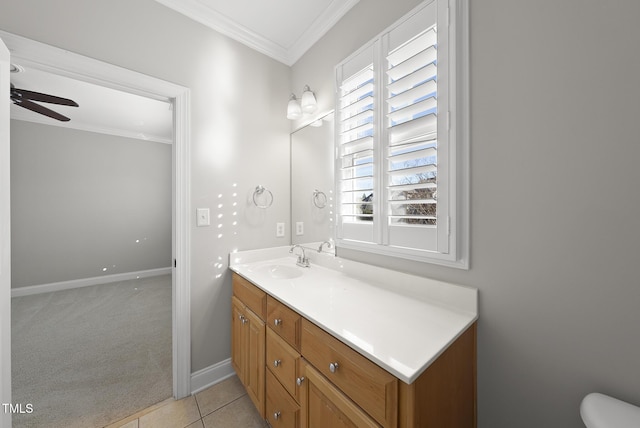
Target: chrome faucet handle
{"points": [[329, 245], [302, 261]]}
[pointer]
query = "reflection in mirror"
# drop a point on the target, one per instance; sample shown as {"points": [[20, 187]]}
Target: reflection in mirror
{"points": [[312, 190]]}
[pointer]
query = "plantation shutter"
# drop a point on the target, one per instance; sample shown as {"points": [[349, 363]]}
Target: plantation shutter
{"points": [[411, 123], [355, 145], [396, 157]]}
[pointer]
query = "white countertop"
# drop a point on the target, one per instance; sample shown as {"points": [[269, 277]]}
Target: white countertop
{"points": [[399, 321]]}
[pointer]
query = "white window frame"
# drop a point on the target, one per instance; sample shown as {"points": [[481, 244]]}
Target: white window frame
{"points": [[452, 17]]}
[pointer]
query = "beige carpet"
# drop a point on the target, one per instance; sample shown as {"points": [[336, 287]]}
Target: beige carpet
{"points": [[91, 356]]}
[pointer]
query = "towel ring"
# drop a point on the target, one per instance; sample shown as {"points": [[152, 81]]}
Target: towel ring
{"points": [[319, 199], [258, 192]]}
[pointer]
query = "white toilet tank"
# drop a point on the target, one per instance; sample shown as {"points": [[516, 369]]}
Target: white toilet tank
{"points": [[601, 411]]}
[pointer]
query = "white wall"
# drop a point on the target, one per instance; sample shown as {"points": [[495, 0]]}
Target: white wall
{"points": [[86, 205], [239, 132], [554, 199]]}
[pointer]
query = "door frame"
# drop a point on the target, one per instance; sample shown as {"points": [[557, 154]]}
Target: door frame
{"points": [[5, 241], [44, 57]]}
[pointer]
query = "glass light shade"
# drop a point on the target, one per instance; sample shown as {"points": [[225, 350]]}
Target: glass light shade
{"points": [[293, 109], [308, 101]]}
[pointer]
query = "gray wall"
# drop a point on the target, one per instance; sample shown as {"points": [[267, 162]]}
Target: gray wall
{"points": [[554, 199], [239, 130], [554, 186], [84, 202]]}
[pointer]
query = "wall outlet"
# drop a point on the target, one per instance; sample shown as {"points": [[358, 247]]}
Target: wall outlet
{"points": [[202, 217], [279, 230], [299, 228]]}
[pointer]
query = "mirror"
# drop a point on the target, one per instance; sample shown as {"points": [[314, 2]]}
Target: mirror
{"points": [[312, 189]]}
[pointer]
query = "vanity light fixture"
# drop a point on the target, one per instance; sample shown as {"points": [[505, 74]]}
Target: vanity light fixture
{"points": [[308, 101], [306, 105], [294, 111]]}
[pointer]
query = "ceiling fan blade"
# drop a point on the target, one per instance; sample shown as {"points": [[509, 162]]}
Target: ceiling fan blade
{"points": [[40, 109], [45, 98]]}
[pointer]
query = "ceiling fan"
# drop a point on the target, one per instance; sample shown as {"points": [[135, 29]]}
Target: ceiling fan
{"points": [[25, 99]]}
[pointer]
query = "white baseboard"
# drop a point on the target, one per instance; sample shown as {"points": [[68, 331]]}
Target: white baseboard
{"points": [[203, 379], [86, 282]]}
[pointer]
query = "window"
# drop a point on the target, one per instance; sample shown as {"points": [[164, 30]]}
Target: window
{"points": [[401, 149]]}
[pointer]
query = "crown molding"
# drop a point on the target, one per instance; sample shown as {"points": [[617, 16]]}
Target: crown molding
{"points": [[319, 28], [218, 22]]}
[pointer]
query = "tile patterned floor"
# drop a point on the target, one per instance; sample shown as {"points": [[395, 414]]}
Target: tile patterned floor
{"points": [[225, 404]]}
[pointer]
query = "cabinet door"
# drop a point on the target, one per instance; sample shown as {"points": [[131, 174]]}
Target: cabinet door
{"points": [[238, 339], [255, 353], [282, 411], [248, 351], [323, 405]]}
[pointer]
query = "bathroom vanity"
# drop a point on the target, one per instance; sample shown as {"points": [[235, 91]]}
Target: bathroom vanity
{"points": [[333, 345]]}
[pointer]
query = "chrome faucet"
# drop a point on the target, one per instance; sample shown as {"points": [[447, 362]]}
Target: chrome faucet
{"points": [[303, 261], [329, 245]]}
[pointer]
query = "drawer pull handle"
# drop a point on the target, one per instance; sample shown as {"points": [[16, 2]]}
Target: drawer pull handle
{"points": [[277, 363], [276, 415], [277, 322], [299, 381], [243, 319], [333, 367]]}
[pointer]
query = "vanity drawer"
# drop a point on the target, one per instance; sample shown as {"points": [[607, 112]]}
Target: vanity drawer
{"points": [[283, 361], [282, 410], [368, 385], [285, 321], [253, 297]]}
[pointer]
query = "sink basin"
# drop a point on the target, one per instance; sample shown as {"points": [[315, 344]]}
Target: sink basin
{"points": [[281, 271]]}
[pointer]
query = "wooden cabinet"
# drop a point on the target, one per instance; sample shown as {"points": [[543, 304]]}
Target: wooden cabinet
{"points": [[325, 406], [248, 345], [284, 362], [284, 321], [300, 376], [282, 410], [368, 385], [283, 365]]}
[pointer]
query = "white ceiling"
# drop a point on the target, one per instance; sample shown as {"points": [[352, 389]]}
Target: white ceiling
{"points": [[103, 110], [281, 29]]}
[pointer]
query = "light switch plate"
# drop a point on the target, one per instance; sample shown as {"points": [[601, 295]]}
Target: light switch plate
{"points": [[279, 230], [299, 228], [202, 217]]}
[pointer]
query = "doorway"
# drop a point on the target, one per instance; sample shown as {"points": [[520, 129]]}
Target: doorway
{"points": [[46, 58]]}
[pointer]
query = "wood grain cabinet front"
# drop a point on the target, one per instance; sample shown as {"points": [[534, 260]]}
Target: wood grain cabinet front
{"points": [[251, 296], [281, 409], [370, 386], [285, 321], [324, 405], [248, 348], [300, 376], [283, 362]]}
